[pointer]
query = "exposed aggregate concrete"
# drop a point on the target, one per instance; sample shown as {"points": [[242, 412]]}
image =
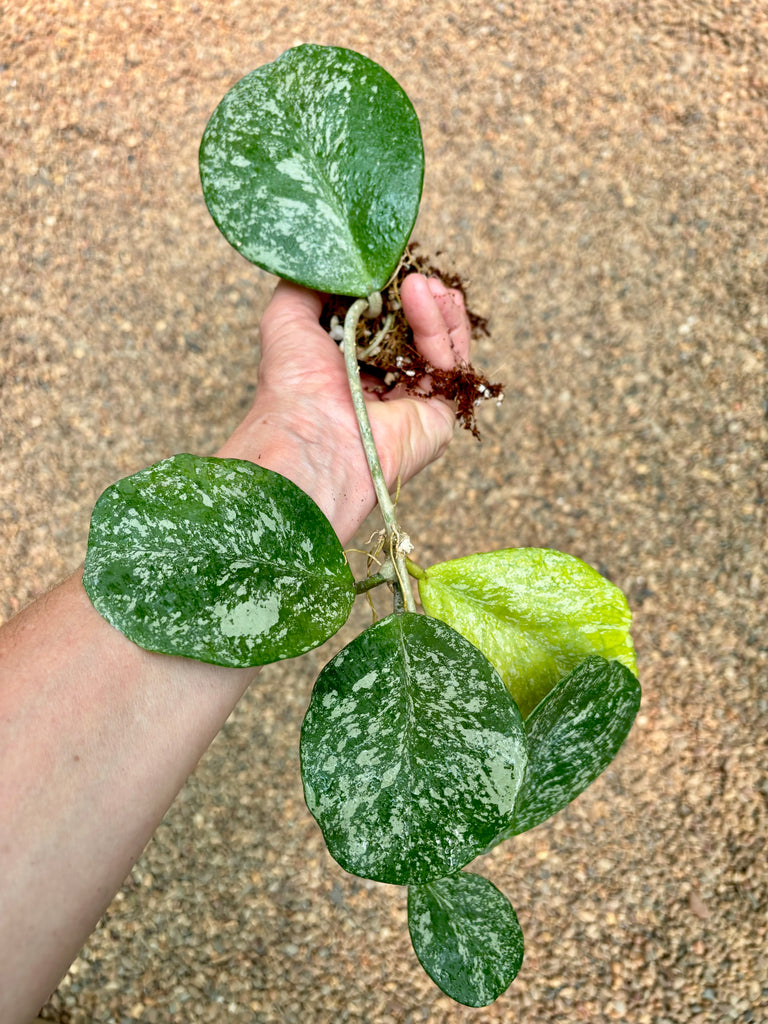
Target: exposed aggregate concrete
{"points": [[599, 172]]}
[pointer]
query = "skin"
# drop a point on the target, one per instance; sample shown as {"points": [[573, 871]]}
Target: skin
{"points": [[97, 736]]}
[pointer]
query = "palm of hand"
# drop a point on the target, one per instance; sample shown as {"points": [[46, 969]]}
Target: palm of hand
{"points": [[302, 374]]}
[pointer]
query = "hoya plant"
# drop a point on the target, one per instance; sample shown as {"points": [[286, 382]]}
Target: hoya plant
{"points": [[433, 736]]}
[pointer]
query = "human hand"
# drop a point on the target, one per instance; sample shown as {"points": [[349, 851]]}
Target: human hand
{"points": [[302, 423], [121, 728]]}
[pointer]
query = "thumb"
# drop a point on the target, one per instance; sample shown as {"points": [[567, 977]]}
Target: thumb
{"points": [[291, 322]]}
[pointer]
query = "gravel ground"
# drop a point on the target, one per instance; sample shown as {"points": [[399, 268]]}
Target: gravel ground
{"points": [[599, 172]]}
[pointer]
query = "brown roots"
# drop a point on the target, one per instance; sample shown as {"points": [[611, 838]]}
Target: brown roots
{"points": [[388, 356]]}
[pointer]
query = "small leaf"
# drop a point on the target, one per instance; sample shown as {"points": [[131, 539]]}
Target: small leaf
{"points": [[534, 613], [216, 559], [466, 936], [312, 168], [412, 752], [573, 735]]}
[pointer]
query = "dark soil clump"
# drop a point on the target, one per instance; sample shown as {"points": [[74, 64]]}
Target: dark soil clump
{"points": [[387, 354]]}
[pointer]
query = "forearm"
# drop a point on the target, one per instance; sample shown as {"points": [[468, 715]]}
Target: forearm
{"points": [[96, 738]]}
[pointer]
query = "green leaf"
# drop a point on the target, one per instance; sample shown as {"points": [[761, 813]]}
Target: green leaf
{"points": [[466, 936], [312, 168], [216, 559], [412, 752], [573, 735], [534, 613]]}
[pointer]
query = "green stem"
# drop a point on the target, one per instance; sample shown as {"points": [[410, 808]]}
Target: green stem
{"points": [[355, 311], [385, 575], [415, 570]]}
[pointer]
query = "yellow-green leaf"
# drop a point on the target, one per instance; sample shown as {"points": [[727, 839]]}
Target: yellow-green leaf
{"points": [[535, 613]]}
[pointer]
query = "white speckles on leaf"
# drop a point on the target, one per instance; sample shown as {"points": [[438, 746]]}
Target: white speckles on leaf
{"points": [[431, 779], [366, 683], [573, 735], [251, 618], [216, 559], [365, 759], [312, 168], [466, 936]]}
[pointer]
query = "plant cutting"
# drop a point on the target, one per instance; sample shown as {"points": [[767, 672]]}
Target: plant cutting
{"points": [[434, 735]]}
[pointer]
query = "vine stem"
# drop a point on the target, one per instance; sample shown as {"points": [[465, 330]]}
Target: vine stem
{"points": [[383, 497], [387, 575]]}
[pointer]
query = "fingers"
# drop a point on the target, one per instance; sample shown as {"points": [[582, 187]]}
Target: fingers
{"points": [[436, 314], [438, 319]]}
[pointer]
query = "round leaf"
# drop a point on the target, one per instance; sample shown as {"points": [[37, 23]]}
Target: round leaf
{"points": [[573, 735], [412, 752], [466, 936], [536, 614], [312, 168], [216, 559]]}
